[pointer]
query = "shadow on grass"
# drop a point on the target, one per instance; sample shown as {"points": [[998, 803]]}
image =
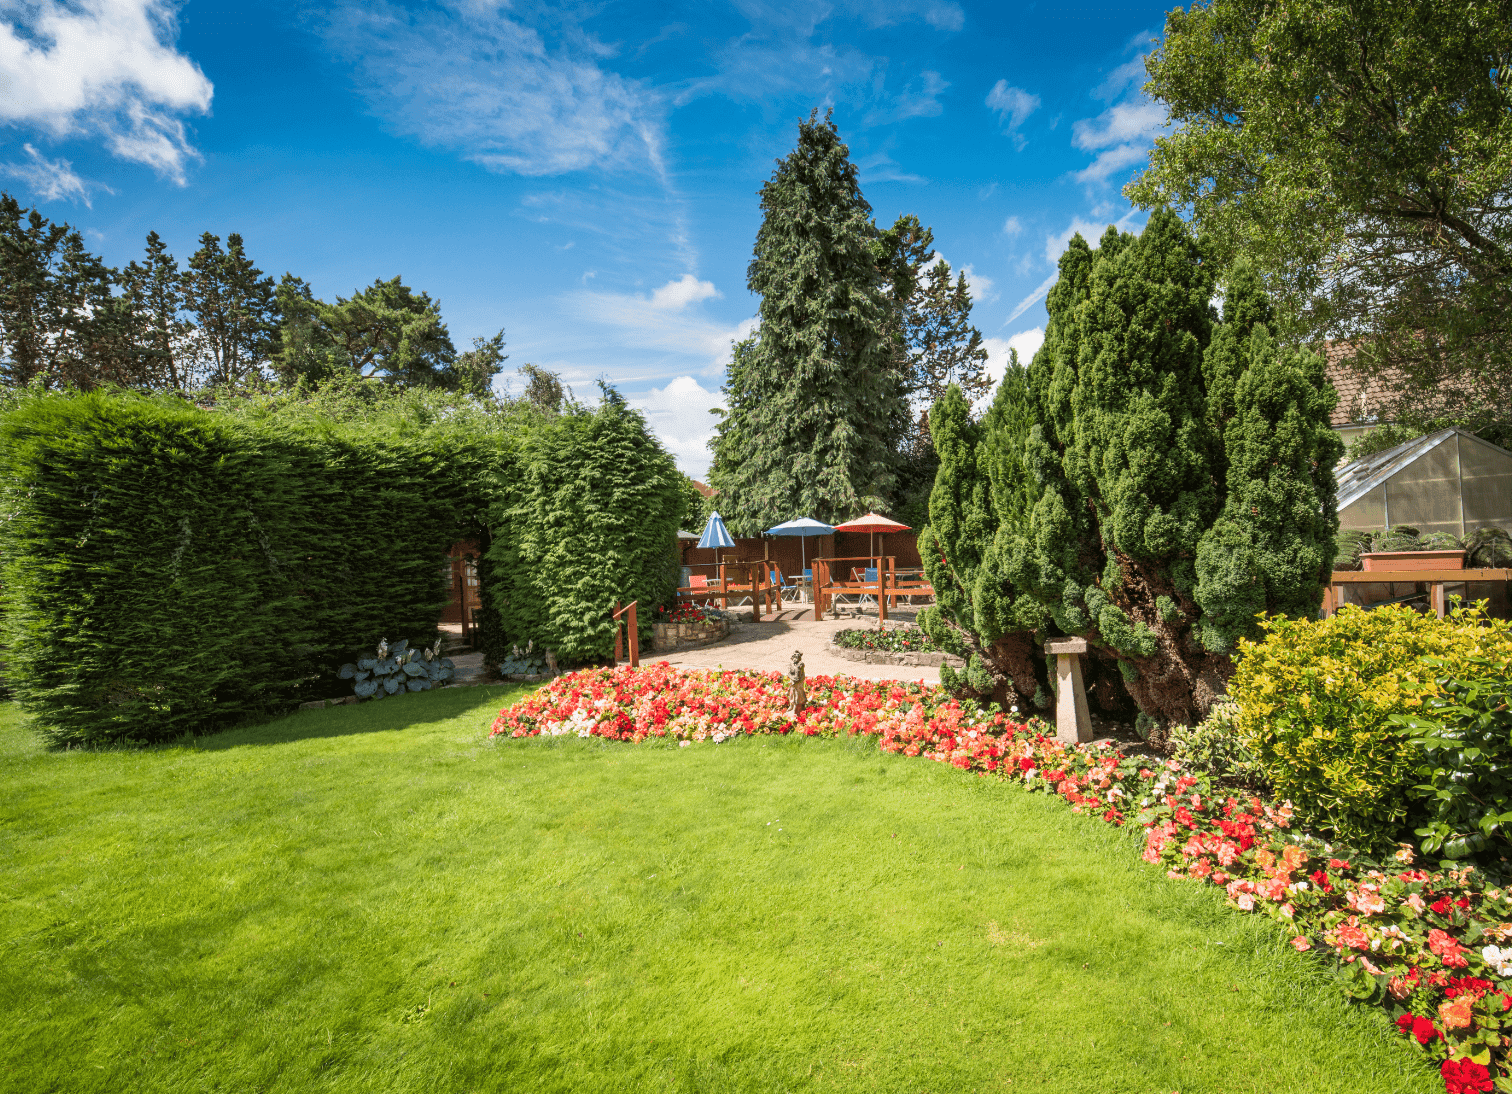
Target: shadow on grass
{"points": [[386, 716]]}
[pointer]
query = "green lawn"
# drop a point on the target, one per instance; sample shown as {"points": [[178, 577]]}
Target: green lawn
{"points": [[377, 898]]}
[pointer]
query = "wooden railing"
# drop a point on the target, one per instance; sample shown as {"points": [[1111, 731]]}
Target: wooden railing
{"points": [[628, 614], [1333, 596], [886, 588], [736, 580]]}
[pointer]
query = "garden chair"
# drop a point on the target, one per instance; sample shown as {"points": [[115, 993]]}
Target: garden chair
{"points": [[786, 589]]}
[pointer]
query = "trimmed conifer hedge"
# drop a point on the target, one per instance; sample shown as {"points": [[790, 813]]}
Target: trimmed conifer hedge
{"points": [[592, 519], [169, 569]]}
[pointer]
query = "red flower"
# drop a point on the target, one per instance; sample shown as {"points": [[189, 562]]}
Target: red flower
{"points": [[1441, 905], [1421, 1028], [1320, 879], [1465, 1077]]}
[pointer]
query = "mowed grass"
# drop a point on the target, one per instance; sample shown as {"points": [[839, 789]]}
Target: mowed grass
{"points": [[378, 898]]}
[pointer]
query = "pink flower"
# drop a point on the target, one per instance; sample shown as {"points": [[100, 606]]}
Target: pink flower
{"points": [[1416, 903], [1246, 902], [1301, 944]]}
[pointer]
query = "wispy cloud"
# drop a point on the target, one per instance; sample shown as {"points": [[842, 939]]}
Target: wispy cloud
{"points": [[880, 167], [1032, 299], [1013, 105], [1123, 133], [512, 97], [102, 68], [667, 320], [1012, 227], [50, 180], [918, 99]]}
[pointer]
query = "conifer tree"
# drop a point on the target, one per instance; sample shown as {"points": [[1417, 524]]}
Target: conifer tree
{"points": [[978, 503], [591, 520], [815, 400], [233, 306], [154, 293], [1186, 475]]}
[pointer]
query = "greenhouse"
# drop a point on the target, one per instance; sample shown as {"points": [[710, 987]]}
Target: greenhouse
{"points": [[1449, 481]]}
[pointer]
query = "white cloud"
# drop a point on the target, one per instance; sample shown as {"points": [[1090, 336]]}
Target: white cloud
{"points": [[105, 68], [1012, 227], [1119, 124], [1055, 245], [677, 295], [1114, 159], [50, 180], [679, 414], [1013, 105], [513, 98], [978, 285], [1025, 342]]}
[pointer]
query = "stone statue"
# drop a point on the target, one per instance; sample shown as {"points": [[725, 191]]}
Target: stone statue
{"points": [[797, 694]]}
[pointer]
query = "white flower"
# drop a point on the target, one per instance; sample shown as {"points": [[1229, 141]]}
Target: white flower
{"points": [[1499, 959], [683, 744]]}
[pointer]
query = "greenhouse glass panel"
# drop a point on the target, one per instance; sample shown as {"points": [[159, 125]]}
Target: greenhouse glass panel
{"points": [[1487, 484], [1366, 515], [1426, 493]]}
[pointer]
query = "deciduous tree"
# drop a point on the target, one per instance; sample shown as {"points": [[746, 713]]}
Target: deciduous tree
{"points": [[1361, 154]]}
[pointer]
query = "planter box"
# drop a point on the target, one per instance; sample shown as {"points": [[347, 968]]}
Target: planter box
{"points": [[1388, 561]]}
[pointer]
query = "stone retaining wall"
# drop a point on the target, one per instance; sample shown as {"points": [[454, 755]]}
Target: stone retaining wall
{"points": [[932, 659], [679, 636]]}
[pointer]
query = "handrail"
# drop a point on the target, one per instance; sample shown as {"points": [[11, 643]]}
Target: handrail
{"points": [[614, 617]]}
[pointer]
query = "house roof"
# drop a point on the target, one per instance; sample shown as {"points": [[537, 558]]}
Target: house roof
{"points": [[1361, 396]]}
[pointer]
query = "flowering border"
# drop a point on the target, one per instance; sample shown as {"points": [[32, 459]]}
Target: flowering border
{"points": [[1433, 947]]}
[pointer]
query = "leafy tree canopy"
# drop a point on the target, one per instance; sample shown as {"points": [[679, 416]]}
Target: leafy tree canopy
{"points": [[1361, 154]]}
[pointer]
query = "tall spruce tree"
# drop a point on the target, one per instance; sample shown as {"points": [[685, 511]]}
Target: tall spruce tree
{"points": [[816, 403]]}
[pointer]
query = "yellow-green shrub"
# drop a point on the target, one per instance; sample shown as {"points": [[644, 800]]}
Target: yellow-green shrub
{"points": [[1316, 697]]}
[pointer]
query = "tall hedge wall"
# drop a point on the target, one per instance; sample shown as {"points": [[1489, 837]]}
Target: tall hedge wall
{"points": [[169, 569]]}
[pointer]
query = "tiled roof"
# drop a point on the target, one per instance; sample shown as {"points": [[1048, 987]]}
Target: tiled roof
{"points": [[1361, 397]]}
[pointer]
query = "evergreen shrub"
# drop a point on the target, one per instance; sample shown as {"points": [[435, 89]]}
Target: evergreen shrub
{"points": [[591, 519], [1316, 702], [170, 569]]}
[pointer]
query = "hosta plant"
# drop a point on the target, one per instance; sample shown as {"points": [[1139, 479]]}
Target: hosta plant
{"points": [[398, 668]]}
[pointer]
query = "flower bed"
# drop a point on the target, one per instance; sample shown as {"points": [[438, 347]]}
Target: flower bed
{"points": [[1433, 947], [896, 640]]}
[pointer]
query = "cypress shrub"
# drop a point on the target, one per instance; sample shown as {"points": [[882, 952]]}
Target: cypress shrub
{"points": [[591, 519], [169, 569]]}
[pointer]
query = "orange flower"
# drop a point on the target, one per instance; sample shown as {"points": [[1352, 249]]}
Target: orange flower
{"points": [[1456, 1013]]}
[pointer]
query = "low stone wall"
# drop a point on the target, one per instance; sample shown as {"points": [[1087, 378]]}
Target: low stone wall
{"points": [[680, 636], [932, 659]]}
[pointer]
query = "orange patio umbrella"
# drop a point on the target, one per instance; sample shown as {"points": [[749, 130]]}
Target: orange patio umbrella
{"points": [[873, 523]]}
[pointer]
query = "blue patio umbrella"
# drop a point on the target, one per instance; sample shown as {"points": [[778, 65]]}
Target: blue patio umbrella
{"points": [[715, 535], [804, 527]]}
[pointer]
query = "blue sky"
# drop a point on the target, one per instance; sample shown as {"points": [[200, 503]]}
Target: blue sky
{"points": [[583, 176]]}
